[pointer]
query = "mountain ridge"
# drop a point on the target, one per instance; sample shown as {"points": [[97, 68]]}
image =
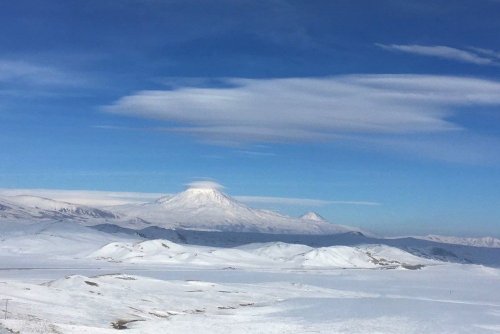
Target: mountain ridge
{"points": [[201, 208], [37, 207]]}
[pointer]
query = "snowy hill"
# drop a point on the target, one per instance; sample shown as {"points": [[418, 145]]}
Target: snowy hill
{"points": [[275, 254], [204, 207], [475, 242]]}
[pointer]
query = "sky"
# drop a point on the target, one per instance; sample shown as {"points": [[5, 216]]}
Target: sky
{"points": [[379, 114]]}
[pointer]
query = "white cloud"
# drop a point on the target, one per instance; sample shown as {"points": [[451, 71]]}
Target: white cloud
{"points": [[300, 201], [249, 153], [487, 52], [474, 56], [313, 109], [26, 73], [205, 184]]}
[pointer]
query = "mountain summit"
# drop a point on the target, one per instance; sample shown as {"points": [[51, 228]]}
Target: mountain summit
{"points": [[201, 195], [313, 216]]}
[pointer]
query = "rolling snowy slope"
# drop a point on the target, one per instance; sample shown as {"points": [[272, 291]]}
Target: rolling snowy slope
{"points": [[454, 298], [53, 238], [271, 255]]}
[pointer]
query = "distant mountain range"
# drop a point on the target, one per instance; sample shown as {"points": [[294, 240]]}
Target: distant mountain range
{"points": [[206, 216], [208, 209], [197, 208]]}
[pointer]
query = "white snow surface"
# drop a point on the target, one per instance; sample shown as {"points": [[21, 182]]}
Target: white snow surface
{"points": [[62, 277]]}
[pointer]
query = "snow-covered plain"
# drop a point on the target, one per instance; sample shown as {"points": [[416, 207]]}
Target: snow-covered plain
{"points": [[202, 262], [67, 278], [443, 299]]}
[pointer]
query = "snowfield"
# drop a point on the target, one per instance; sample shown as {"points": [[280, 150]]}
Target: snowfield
{"points": [[450, 298], [65, 278], [200, 262]]}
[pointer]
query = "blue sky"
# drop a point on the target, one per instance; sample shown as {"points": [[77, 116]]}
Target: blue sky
{"points": [[389, 102]]}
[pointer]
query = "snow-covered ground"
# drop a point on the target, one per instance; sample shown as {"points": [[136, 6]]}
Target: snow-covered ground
{"points": [[67, 278], [451, 298]]}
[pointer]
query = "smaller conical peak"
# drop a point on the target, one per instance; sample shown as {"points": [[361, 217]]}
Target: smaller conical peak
{"points": [[313, 216]]}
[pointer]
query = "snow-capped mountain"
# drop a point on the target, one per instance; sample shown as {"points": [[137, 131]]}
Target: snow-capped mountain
{"points": [[204, 207], [34, 207], [200, 207]]}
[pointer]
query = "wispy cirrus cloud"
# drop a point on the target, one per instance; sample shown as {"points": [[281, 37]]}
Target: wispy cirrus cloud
{"points": [[250, 153], [27, 73], [487, 52], [301, 201], [470, 55], [21, 79]]}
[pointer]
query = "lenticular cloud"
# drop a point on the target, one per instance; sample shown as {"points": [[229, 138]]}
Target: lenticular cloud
{"points": [[313, 109]]}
